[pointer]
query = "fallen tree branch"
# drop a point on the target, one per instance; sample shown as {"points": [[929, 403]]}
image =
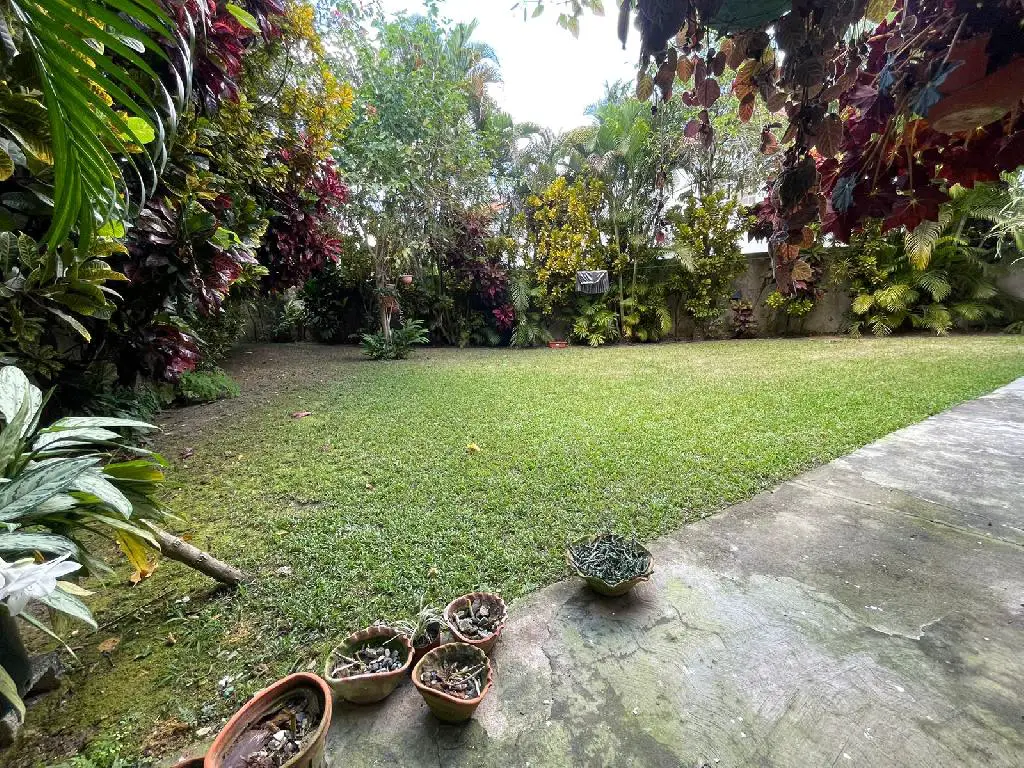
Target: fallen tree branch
{"points": [[178, 549]]}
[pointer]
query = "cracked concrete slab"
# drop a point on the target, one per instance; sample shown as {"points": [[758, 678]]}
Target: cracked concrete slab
{"points": [[869, 612]]}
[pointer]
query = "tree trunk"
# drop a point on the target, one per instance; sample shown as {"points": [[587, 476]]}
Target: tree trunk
{"points": [[180, 550]]}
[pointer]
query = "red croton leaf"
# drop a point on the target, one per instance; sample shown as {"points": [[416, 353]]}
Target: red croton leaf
{"points": [[708, 92], [684, 69], [829, 136], [747, 108]]}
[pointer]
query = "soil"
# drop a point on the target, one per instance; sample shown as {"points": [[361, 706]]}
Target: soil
{"points": [[478, 620], [264, 372], [458, 679], [369, 660], [278, 737]]}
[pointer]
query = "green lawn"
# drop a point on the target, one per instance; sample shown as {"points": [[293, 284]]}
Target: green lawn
{"points": [[374, 498]]}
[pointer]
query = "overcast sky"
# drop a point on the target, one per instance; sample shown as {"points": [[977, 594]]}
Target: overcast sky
{"points": [[550, 77]]}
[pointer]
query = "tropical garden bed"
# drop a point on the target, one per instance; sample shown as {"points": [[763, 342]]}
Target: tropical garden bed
{"points": [[350, 514]]}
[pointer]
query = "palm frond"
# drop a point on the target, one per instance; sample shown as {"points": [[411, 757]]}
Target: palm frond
{"points": [[96, 107], [936, 282]]}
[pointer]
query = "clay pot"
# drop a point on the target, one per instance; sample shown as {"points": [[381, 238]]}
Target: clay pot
{"points": [[371, 687], [191, 762], [493, 603], [599, 585], [558, 344], [451, 709], [220, 754], [419, 651], [405, 279]]}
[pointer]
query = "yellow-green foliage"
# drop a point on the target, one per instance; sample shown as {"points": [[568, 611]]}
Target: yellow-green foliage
{"points": [[562, 222], [706, 236]]}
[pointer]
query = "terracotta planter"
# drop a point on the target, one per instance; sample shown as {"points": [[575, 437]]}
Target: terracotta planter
{"points": [[224, 752], [601, 586], [493, 602], [558, 344], [419, 651], [452, 709], [405, 279], [375, 686]]}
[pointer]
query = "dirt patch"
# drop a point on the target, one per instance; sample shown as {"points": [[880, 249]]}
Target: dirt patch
{"points": [[264, 372]]}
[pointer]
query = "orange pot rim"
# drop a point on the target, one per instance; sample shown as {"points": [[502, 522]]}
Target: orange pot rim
{"points": [[365, 634], [453, 628], [227, 736], [447, 697]]}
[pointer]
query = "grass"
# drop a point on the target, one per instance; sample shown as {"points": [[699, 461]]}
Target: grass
{"points": [[349, 515]]}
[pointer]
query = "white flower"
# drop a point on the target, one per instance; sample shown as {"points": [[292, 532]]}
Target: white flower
{"points": [[25, 580]]}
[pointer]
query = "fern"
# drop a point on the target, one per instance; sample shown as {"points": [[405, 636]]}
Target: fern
{"points": [[896, 297], [936, 283]]}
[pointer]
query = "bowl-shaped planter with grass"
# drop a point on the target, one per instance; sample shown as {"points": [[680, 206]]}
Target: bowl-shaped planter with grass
{"points": [[369, 664], [476, 619], [453, 679], [285, 725], [610, 564]]}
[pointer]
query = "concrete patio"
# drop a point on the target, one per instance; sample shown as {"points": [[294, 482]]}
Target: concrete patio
{"points": [[869, 612]]}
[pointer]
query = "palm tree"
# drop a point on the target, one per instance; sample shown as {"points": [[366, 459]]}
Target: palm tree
{"points": [[479, 62], [87, 106]]}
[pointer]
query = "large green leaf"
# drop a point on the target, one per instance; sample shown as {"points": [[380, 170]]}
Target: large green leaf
{"points": [[95, 484], [38, 484], [67, 603], [9, 691], [50, 543], [85, 130], [75, 422]]}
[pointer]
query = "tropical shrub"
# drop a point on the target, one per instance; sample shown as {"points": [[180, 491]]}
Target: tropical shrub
{"points": [[595, 323], [325, 298], [206, 386], [893, 287], [378, 347], [705, 237], [744, 324], [529, 330], [645, 314], [562, 227], [70, 479]]}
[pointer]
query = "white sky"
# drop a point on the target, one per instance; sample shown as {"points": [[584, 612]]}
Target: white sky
{"points": [[550, 77]]}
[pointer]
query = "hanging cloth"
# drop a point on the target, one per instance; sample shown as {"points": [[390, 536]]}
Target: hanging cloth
{"points": [[594, 281]]}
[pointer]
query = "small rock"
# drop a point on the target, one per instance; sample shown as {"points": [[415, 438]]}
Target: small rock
{"points": [[203, 732]]}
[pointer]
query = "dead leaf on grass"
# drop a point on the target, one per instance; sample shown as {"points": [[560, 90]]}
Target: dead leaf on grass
{"points": [[187, 453], [301, 414], [109, 645]]}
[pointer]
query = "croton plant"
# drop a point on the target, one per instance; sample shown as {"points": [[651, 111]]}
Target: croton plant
{"points": [[882, 105]]}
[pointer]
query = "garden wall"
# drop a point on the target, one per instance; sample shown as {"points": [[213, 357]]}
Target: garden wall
{"points": [[757, 283]]}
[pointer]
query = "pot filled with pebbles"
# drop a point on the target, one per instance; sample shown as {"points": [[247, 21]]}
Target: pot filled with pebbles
{"points": [[610, 564], [476, 619], [369, 664], [283, 726], [453, 679]]}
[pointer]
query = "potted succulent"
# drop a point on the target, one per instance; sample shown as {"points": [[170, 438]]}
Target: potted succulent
{"points": [[453, 679], [610, 564], [476, 619], [369, 664], [283, 725]]}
